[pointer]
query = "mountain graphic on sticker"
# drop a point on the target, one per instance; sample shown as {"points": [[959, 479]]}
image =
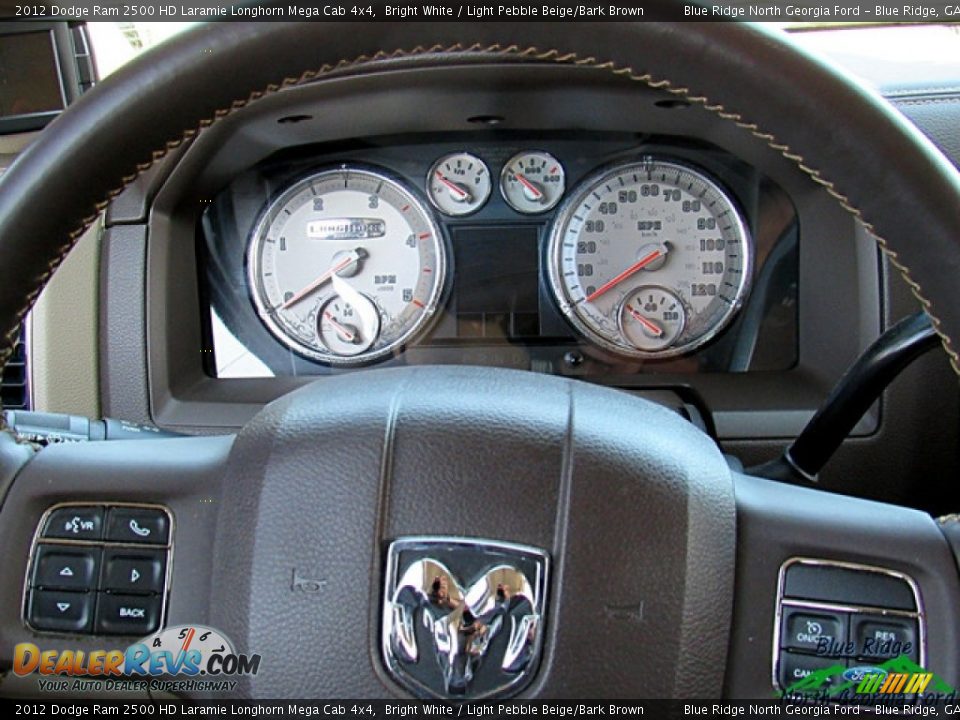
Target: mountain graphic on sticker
{"points": [[902, 665]]}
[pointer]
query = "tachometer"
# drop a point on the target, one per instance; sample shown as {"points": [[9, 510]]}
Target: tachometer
{"points": [[346, 266], [650, 259]]}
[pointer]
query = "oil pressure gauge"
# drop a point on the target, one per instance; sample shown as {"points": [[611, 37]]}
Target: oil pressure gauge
{"points": [[459, 184], [532, 182]]}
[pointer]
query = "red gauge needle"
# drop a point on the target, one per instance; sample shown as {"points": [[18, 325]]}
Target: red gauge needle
{"points": [[646, 323], [333, 270], [341, 329], [534, 190], [636, 267], [454, 188]]}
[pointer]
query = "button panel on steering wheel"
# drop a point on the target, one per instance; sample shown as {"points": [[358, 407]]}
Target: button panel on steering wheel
{"points": [[834, 615], [100, 569]]}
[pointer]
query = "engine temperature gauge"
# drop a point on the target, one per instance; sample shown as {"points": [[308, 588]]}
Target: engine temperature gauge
{"points": [[651, 318], [459, 184], [532, 182]]}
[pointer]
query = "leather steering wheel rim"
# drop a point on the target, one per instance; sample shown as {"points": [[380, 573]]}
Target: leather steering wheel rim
{"points": [[875, 163]]}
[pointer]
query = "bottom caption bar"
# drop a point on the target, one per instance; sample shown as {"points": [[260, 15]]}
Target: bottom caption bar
{"points": [[517, 708]]}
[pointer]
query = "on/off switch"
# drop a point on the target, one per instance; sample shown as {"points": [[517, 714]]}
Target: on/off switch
{"points": [[821, 633]]}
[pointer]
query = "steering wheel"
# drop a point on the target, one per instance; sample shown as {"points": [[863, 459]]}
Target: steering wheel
{"points": [[652, 568]]}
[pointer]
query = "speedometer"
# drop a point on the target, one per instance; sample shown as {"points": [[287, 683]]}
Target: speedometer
{"points": [[346, 266], [650, 259]]}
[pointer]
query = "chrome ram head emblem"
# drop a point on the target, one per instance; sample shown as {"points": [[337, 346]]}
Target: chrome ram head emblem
{"points": [[462, 618]]}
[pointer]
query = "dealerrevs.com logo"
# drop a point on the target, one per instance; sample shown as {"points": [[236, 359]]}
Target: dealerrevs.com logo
{"points": [[199, 657]]}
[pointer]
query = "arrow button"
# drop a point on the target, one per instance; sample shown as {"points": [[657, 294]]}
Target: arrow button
{"points": [[66, 568], [61, 611], [134, 571]]}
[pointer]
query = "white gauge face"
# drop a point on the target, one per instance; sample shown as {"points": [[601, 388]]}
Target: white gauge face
{"points": [[346, 266], [459, 184], [651, 223], [651, 318], [532, 182], [349, 327]]}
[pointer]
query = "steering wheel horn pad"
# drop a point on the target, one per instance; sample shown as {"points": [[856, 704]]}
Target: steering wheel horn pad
{"points": [[633, 505]]}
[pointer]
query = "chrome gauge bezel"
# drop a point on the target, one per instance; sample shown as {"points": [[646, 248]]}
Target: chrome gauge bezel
{"points": [[276, 204], [471, 209], [506, 170], [621, 306], [576, 196]]}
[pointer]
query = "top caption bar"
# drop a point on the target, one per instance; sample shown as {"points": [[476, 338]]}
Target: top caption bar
{"points": [[453, 10]]}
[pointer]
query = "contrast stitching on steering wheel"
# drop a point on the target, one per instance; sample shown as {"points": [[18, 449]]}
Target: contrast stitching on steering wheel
{"points": [[532, 53]]}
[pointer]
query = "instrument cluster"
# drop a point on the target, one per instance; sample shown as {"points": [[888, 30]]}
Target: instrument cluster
{"points": [[630, 254]]}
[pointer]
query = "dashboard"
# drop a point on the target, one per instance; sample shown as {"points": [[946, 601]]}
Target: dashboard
{"points": [[184, 343], [590, 254], [233, 321]]}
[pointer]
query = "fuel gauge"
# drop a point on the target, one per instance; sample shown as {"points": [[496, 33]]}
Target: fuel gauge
{"points": [[532, 182]]}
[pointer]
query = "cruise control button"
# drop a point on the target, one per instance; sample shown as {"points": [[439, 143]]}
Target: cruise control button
{"points": [[66, 568], [63, 611], [131, 571], [879, 637], [127, 614], [83, 522], [795, 668], [820, 633], [137, 525]]}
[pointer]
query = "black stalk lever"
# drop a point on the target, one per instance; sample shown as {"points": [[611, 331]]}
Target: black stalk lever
{"points": [[857, 390]]}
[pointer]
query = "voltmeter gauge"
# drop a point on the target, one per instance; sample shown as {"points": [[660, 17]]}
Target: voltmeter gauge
{"points": [[459, 184], [532, 182]]}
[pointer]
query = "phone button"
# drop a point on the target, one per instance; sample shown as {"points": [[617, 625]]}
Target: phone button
{"points": [[137, 525]]}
